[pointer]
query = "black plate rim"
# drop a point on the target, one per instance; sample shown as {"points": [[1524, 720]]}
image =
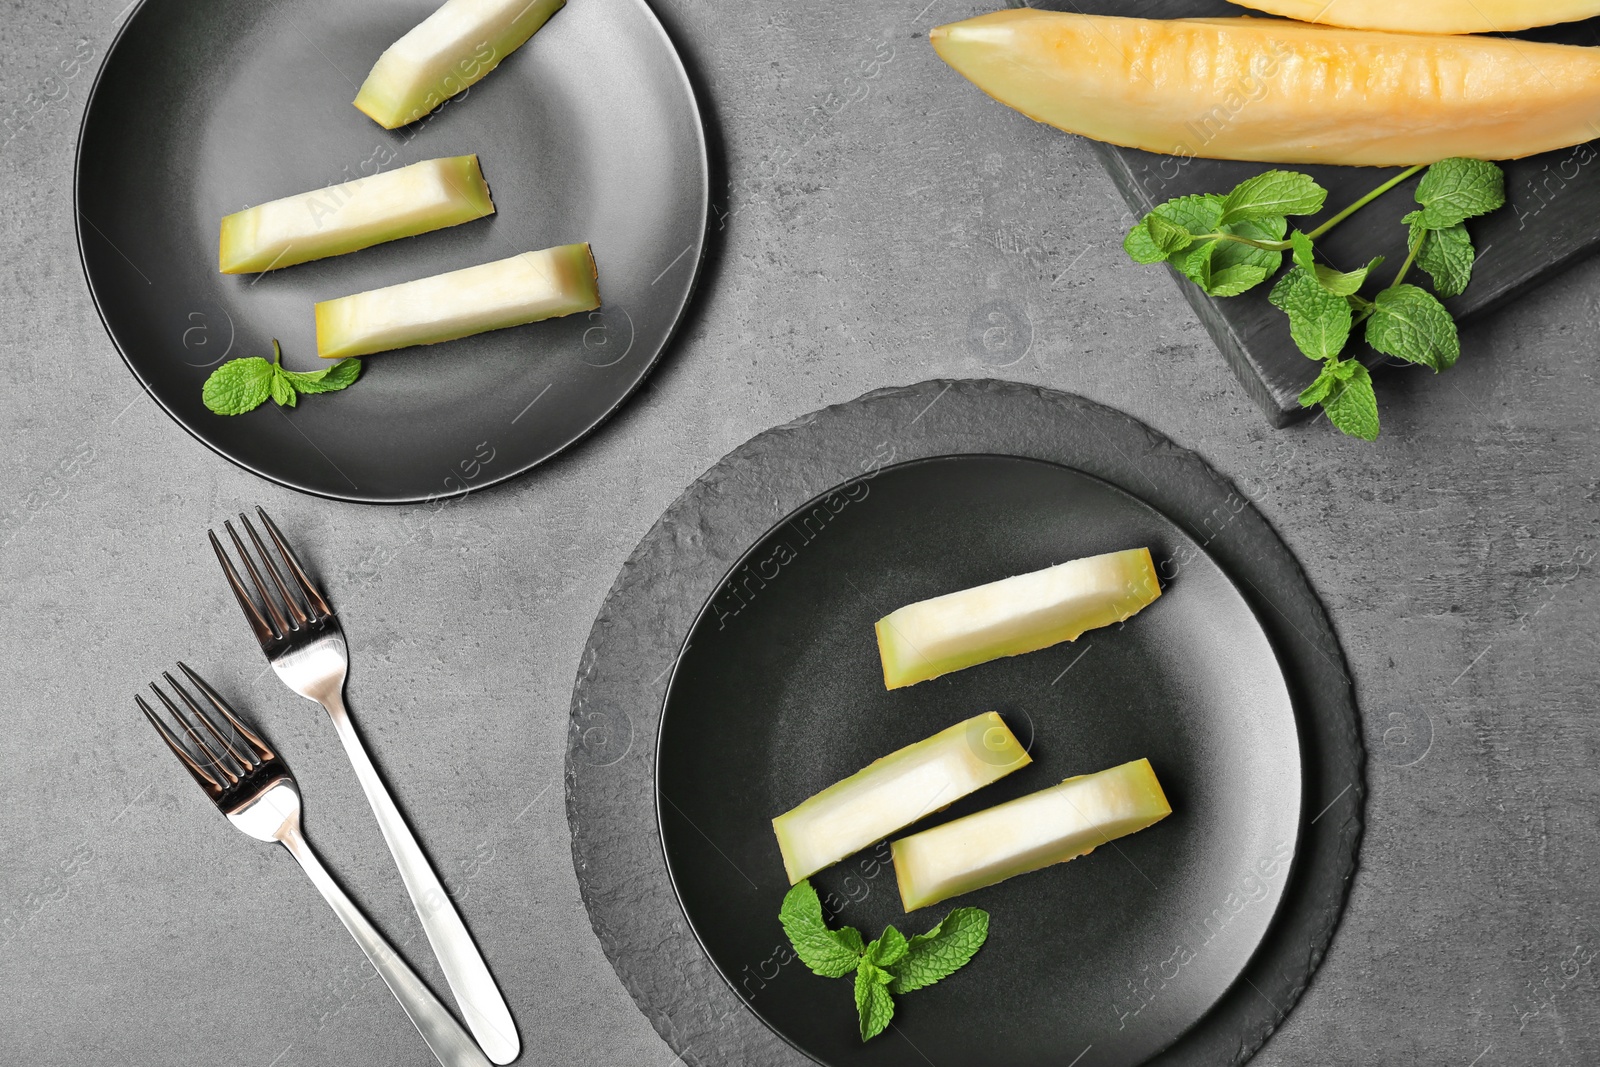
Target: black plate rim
{"points": [[619, 676], [668, 339], [677, 666]]}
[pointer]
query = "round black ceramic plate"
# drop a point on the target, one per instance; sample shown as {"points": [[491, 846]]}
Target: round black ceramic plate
{"points": [[589, 132], [779, 694], [753, 600]]}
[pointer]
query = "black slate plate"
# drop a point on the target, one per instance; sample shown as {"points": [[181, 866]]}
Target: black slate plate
{"points": [[779, 694], [590, 131], [1552, 220], [620, 697]]}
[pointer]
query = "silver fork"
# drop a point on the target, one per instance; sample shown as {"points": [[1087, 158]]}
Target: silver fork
{"points": [[254, 789], [304, 643]]}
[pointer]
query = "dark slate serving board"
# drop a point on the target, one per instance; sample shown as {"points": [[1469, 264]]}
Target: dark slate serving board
{"points": [[618, 700], [1551, 221]]}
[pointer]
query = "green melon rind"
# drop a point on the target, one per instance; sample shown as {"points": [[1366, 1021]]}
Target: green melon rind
{"points": [[895, 791], [456, 193], [1067, 820], [445, 54], [491, 296]]}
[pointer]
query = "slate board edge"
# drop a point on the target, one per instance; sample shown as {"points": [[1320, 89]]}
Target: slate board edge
{"points": [[1221, 330], [617, 698]]}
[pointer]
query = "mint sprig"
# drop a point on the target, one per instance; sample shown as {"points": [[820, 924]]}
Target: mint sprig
{"points": [[1228, 244], [890, 965], [242, 385]]}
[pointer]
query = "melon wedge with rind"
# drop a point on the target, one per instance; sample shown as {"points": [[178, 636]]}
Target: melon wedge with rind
{"points": [[1013, 616], [492, 296], [1276, 91], [446, 53], [332, 221], [893, 792], [1431, 16], [1068, 820]]}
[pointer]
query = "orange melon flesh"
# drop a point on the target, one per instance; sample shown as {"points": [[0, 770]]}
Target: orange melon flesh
{"points": [[1432, 16], [1272, 91]]}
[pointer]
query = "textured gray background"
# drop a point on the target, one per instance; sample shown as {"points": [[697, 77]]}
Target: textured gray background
{"points": [[881, 223]]}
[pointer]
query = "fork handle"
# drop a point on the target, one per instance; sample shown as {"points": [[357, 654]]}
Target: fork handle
{"points": [[474, 988], [445, 1037]]}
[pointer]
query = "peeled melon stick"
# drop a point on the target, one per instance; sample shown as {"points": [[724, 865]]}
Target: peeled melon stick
{"points": [[344, 218], [1275, 91], [895, 791], [445, 53], [509, 292], [1013, 616], [1051, 826], [1432, 16]]}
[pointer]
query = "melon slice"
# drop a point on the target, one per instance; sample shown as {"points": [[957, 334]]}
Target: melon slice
{"points": [[1051, 826], [1432, 16], [896, 791], [344, 218], [445, 53], [491, 296], [1281, 92], [1013, 616]]}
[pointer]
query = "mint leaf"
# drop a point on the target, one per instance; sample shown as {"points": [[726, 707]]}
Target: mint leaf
{"points": [[1319, 321], [1228, 268], [1276, 192], [830, 953], [1409, 323], [282, 391], [888, 949], [1140, 246], [1227, 277], [1305, 253], [328, 380], [1171, 227], [850, 938], [1454, 190], [1168, 236], [1233, 281], [1336, 282], [1318, 391], [1195, 263], [1198, 214], [238, 386], [1352, 405], [941, 951], [874, 1006], [1447, 255], [1347, 283]]}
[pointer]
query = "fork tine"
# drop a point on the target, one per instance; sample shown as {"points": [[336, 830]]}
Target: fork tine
{"points": [[293, 602], [246, 763], [260, 746], [264, 633], [215, 758], [201, 775], [278, 620], [314, 597]]}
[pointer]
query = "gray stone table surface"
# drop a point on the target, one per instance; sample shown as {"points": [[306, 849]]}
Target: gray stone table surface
{"points": [[880, 222]]}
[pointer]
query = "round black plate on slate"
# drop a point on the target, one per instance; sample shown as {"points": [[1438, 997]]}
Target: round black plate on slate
{"points": [[1228, 574], [589, 132], [779, 694]]}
